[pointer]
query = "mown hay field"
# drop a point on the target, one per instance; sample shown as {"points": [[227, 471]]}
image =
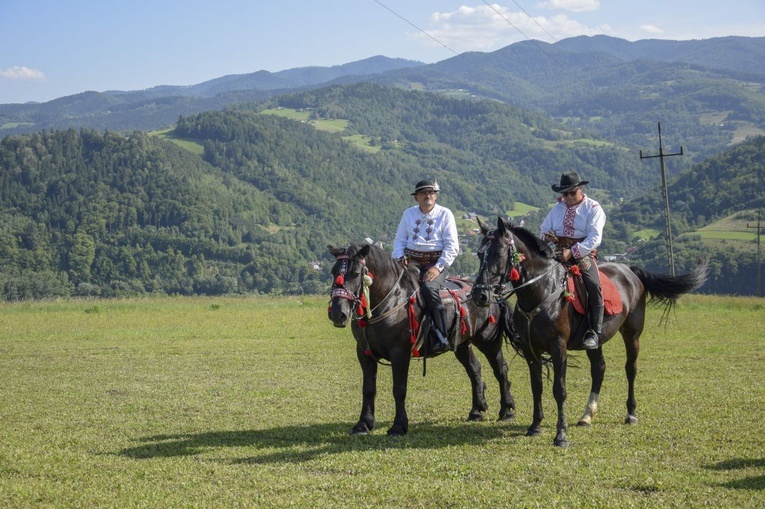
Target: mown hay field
{"points": [[248, 402]]}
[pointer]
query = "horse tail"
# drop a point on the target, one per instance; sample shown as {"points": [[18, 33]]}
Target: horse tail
{"points": [[666, 289]]}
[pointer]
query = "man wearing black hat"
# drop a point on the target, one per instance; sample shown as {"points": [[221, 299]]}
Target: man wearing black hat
{"points": [[427, 237], [575, 225]]}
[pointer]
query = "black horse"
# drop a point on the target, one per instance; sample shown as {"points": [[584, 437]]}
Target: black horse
{"points": [[547, 322], [385, 317]]}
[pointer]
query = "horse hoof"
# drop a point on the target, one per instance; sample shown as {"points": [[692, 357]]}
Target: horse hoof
{"points": [[631, 419], [393, 432], [563, 444], [361, 429], [533, 432], [583, 423], [509, 417], [475, 417]]}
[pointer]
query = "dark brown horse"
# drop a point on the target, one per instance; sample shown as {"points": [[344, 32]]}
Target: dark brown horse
{"points": [[384, 328], [547, 322]]}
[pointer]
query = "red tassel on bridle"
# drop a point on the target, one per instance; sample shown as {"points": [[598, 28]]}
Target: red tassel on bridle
{"points": [[340, 280], [514, 274]]}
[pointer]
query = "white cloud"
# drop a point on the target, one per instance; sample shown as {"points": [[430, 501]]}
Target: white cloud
{"points": [[485, 28], [21, 73], [571, 5], [651, 29]]}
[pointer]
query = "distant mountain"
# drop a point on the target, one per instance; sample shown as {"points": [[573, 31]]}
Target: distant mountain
{"points": [[741, 54], [283, 80], [160, 106], [707, 93]]}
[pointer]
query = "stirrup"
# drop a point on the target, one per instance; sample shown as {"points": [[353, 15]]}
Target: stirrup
{"points": [[590, 341]]}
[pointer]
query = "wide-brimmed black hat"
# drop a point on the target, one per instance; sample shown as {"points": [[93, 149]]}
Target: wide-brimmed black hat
{"points": [[569, 181], [426, 185]]}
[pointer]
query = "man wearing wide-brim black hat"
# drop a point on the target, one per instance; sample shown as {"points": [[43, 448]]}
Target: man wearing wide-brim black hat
{"points": [[427, 237], [575, 225]]}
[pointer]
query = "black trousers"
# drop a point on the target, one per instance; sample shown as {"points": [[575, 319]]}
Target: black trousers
{"points": [[431, 290], [589, 269]]}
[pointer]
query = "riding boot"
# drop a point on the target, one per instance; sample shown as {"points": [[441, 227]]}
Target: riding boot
{"points": [[438, 336], [596, 325]]}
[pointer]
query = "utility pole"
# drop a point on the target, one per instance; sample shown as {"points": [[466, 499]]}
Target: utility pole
{"points": [[668, 228], [759, 275]]}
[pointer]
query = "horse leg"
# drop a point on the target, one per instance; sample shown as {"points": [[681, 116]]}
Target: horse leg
{"points": [[597, 373], [632, 342], [496, 359], [559, 393], [535, 370], [369, 388], [469, 361], [400, 367]]}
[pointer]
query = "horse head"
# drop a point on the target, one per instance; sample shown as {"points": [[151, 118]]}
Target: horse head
{"points": [[348, 273], [495, 255]]}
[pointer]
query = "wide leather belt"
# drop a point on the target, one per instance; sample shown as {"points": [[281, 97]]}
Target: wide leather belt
{"points": [[422, 256], [567, 242]]}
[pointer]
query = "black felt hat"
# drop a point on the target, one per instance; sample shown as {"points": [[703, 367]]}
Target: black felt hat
{"points": [[426, 185], [569, 181]]}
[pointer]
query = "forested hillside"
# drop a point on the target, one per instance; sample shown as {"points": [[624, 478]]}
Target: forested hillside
{"points": [[731, 182], [89, 213]]}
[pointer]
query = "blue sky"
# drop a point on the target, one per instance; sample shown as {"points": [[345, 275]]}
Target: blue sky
{"points": [[54, 48]]}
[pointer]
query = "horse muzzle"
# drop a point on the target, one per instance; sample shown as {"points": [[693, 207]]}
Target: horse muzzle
{"points": [[339, 312], [482, 295]]}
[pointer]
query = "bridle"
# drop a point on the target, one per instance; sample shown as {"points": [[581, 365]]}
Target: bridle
{"points": [[514, 262], [360, 298], [499, 288], [340, 289]]}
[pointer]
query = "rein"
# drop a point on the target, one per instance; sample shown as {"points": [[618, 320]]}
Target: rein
{"points": [[503, 295]]}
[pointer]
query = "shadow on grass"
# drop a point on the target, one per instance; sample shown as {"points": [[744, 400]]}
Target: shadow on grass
{"points": [[295, 444], [747, 483]]}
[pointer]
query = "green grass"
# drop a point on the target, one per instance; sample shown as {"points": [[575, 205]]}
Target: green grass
{"points": [[361, 141], [13, 125], [648, 233], [169, 134], [248, 402], [521, 209], [732, 230]]}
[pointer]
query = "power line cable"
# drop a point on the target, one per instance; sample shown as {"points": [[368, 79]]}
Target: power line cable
{"points": [[415, 26], [536, 43], [534, 20]]}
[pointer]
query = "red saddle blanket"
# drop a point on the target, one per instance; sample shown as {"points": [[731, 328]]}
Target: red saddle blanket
{"points": [[612, 300]]}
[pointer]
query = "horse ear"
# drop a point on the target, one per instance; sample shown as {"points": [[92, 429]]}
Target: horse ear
{"points": [[501, 225], [364, 251], [504, 226], [484, 229], [334, 251]]}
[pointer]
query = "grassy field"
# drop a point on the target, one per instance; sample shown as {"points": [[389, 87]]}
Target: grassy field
{"points": [[169, 134], [248, 402]]}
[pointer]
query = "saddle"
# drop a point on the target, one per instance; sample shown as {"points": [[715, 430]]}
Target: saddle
{"points": [[454, 292], [612, 299]]}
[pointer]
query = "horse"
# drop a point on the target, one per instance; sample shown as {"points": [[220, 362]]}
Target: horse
{"points": [[379, 297], [546, 320]]}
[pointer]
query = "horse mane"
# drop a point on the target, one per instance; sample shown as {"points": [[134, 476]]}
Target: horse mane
{"points": [[382, 264], [532, 242]]}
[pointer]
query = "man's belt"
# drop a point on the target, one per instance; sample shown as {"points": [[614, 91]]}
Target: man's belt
{"points": [[422, 256], [567, 242]]}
